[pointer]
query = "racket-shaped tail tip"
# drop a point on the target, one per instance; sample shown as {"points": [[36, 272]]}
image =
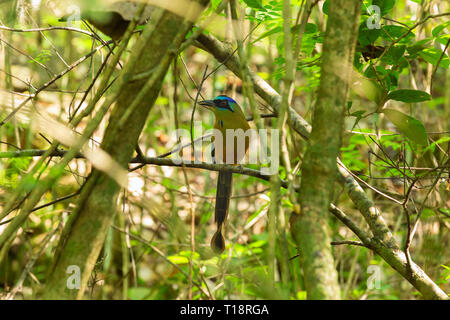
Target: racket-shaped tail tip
{"points": [[218, 242]]}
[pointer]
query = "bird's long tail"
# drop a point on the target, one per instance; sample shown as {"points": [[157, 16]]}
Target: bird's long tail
{"points": [[223, 195]]}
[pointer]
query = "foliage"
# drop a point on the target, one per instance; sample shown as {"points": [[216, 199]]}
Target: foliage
{"points": [[396, 119]]}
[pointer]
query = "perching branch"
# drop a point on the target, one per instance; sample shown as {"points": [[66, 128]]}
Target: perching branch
{"points": [[152, 161]]}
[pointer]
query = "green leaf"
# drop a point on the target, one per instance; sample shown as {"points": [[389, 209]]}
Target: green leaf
{"points": [[255, 4], [257, 244], [325, 6], [439, 28], [368, 89], [215, 3], [188, 254], [432, 146], [269, 33], [427, 213], [432, 55], [349, 105], [310, 28], [359, 115], [407, 95], [393, 32], [385, 5], [410, 127], [367, 36], [443, 39], [419, 46], [394, 54], [392, 80], [178, 259], [308, 44]]}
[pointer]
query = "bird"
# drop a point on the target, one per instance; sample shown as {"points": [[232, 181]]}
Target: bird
{"points": [[228, 116]]}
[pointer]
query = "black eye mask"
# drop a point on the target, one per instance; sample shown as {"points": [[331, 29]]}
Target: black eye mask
{"points": [[222, 104]]}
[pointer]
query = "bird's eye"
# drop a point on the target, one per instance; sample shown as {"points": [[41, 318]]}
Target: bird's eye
{"points": [[221, 103]]}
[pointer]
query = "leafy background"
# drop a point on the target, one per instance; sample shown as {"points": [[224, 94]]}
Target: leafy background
{"points": [[397, 119]]}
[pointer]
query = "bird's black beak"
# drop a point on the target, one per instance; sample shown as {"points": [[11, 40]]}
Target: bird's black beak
{"points": [[209, 104]]}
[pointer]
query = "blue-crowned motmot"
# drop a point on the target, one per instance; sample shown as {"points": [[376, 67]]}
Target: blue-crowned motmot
{"points": [[229, 116]]}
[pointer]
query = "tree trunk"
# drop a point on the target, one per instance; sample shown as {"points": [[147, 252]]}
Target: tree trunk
{"points": [[97, 204], [310, 228]]}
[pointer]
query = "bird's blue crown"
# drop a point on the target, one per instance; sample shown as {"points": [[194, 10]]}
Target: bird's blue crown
{"points": [[224, 102], [222, 97]]}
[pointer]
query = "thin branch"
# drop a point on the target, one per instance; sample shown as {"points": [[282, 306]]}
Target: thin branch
{"points": [[50, 82], [155, 161], [48, 29], [349, 242], [437, 65]]}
